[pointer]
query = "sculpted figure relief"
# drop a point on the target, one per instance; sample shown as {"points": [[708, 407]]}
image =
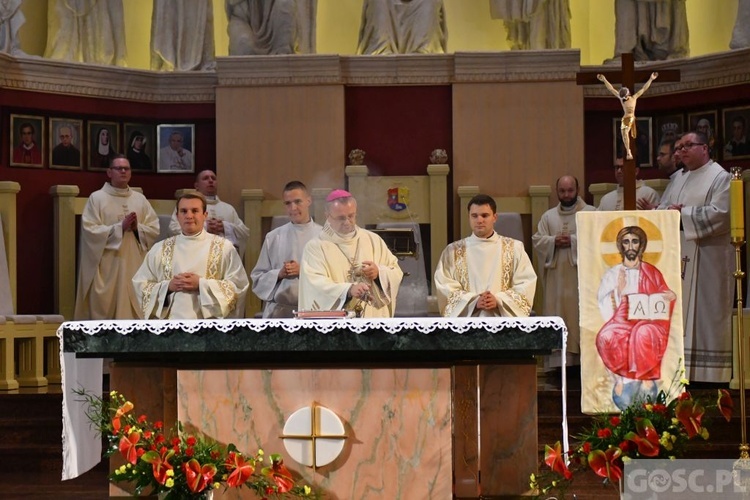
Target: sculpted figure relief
{"points": [[263, 27], [653, 30], [90, 31], [182, 35], [534, 24], [627, 125], [11, 19], [403, 27]]}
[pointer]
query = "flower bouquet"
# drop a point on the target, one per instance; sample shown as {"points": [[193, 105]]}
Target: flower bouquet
{"points": [[180, 465], [659, 428]]}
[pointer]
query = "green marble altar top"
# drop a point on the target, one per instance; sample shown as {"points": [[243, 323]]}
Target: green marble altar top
{"points": [[430, 340]]}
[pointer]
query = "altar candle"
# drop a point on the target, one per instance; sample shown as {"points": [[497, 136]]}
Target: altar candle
{"points": [[737, 205]]}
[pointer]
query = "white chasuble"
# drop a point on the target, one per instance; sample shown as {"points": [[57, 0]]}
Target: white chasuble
{"points": [[471, 266], [109, 256], [708, 265], [332, 263], [223, 281], [281, 245], [630, 318]]}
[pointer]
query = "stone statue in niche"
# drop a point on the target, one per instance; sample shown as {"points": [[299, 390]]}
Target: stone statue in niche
{"points": [[11, 19], [402, 27], [741, 31], [534, 24], [653, 30], [263, 27], [438, 157], [182, 35], [90, 31], [356, 157]]}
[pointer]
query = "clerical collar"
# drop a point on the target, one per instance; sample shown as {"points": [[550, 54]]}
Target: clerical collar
{"points": [[109, 188], [193, 236], [211, 200], [334, 236]]}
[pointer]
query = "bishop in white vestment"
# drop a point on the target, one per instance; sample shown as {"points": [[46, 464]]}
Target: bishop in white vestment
{"points": [[485, 274], [348, 267], [194, 275], [276, 274], [118, 226]]}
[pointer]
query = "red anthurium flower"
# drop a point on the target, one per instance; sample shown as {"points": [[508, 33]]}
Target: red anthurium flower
{"points": [[128, 448], [116, 425], [606, 463], [241, 469], [553, 457], [647, 438], [159, 463], [279, 474], [198, 477], [725, 404], [690, 413]]}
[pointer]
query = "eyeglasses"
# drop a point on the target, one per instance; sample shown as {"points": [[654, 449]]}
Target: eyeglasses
{"points": [[121, 169], [689, 145]]}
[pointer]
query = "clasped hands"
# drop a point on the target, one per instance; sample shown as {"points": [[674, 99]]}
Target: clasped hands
{"points": [[289, 270], [215, 226], [486, 301], [184, 282], [130, 222]]}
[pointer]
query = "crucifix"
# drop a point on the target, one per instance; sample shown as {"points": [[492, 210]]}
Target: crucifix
{"points": [[628, 76]]}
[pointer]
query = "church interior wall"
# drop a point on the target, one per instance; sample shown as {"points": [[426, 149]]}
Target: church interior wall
{"points": [[34, 204], [470, 27]]}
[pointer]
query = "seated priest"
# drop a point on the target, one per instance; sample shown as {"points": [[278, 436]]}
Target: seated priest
{"points": [[484, 274], [347, 267], [193, 275]]}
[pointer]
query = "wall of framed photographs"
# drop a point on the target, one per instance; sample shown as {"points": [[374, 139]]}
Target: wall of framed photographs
{"points": [[723, 114]]}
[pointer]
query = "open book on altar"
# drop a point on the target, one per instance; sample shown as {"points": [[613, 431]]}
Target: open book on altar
{"points": [[642, 306], [338, 314]]}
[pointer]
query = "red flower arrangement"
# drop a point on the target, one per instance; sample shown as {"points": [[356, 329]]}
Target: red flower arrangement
{"points": [[182, 465], [645, 429]]}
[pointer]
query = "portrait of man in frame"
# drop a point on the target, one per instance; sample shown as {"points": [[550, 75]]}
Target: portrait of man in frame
{"points": [[67, 136], [26, 141], [736, 140], [176, 148]]}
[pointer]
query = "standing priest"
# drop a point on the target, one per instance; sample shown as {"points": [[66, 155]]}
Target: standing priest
{"points": [[348, 267], [118, 226], [193, 275]]}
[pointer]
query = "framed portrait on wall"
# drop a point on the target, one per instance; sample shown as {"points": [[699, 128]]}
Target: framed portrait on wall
{"points": [[706, 122], [140, 146], [26, 141], [736, 140], [65, 140], [104, 142], [176, 148], [668, 128], [643, 141]]}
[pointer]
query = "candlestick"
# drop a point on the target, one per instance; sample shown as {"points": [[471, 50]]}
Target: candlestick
{"points": [[737, 205]]}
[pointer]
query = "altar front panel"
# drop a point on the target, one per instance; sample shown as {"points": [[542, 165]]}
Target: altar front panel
{"points": [[398, 423]]}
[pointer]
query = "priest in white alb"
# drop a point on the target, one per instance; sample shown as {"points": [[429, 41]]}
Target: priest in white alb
{"points": [[484, 274], [707, 262], [222, 217], [276, 274], [348, 267], [194, 275], [556, 246], [118, 226]]}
